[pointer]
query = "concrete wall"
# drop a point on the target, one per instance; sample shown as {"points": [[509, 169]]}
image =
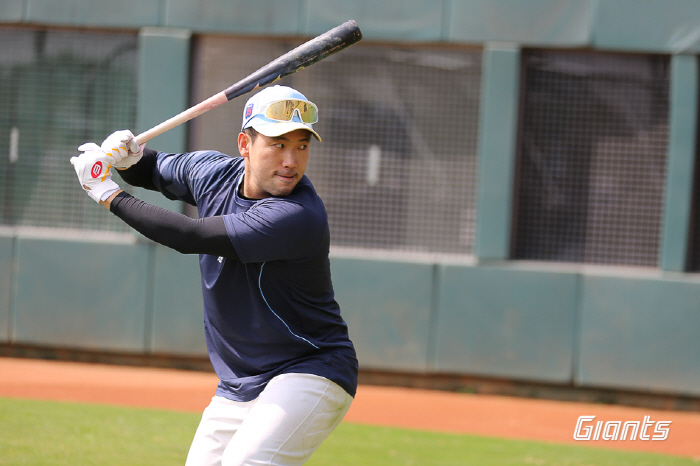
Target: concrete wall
{"points": [[586, 326]]}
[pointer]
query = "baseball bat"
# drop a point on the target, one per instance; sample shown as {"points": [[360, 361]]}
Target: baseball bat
{"points": [[315, 50]]}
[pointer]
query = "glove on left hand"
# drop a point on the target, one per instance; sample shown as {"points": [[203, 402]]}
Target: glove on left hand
{"points": [[94, 172]]}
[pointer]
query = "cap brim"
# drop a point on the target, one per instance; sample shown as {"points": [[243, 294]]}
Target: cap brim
{"points": [[272, 130]]}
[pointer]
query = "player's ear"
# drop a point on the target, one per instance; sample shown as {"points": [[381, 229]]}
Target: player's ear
{"points": [[244, 143]]}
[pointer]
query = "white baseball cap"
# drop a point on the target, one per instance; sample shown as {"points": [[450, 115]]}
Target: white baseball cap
{"points": [[278, 110]]}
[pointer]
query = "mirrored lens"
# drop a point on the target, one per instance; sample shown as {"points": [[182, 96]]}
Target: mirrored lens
{"points": [[284, 110]]}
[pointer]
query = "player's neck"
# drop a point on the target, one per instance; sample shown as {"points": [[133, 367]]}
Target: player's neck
{"points": [[241, 191]]}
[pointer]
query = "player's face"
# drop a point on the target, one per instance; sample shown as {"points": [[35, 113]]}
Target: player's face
{"points": [[274, 165]]}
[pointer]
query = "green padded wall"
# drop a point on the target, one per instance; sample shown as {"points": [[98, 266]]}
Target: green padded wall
{"points": [[164, 61], [114, 13], [533, 22], [6, 248], [649, 25], [178, 326], [280, 17], [681, 162], [387, 306], [640, 333], [421, 20], [669, 26], [507, 322], [87, 295], [11, 11], [497, 145]]}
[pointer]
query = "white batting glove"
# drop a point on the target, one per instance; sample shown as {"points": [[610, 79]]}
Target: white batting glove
{"points": [[95, 172], [122, 146]]}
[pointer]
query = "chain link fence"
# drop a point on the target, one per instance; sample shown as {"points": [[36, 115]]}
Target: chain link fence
{"points": [[59, 89], [592, 157], [397, 169], [397, 165]]}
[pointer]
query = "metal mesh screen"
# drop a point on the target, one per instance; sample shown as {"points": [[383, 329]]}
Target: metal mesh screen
{"points": [[59, 89], [592, 158], [397, 166]]}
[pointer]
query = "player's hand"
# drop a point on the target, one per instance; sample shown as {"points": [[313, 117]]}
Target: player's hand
{"points": [[123, 147], [94, 172]]}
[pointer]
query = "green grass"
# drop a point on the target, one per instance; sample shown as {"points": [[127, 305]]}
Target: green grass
{"points": [[59, 433], [353, 444]]}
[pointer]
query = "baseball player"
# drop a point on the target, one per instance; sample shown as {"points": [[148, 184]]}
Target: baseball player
{"points": [[274, 333]]}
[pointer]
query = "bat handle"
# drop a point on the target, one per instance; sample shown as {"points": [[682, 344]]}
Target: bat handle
{"points": [[192, 112]]}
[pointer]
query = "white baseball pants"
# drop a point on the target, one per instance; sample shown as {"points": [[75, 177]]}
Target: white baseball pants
{"points": [[282, 427]]}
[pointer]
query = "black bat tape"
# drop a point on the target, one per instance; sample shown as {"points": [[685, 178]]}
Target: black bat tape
{"points": [[318, 48]]}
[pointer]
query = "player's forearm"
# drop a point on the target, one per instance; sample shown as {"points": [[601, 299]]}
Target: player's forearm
{"points": [[171, 229], [141, 173]]}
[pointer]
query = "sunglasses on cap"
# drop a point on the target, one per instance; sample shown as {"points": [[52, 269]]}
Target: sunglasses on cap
{"points": [[284, 110]]}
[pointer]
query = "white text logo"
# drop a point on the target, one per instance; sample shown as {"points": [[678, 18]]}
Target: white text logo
{"points": [[587, 429]]}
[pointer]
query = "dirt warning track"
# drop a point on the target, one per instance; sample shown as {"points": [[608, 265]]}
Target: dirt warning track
{"points": [[496, 416]]}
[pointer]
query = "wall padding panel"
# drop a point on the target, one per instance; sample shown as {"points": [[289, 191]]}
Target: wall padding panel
{"points": [[649, 25], [81, 294], [534, 22], [669, 26], [503, 322], [178, 326], [11, 11], [241, 16], [640, 333], [415, 20], [119, 13], [500, 86], [681, 162], [387, 306], [5, 286], [168, 51]]}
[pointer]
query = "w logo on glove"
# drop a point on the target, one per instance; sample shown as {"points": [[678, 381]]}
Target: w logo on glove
{"points": [[96, 170]]}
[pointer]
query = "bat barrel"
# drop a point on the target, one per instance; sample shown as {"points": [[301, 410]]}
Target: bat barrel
{"points": [[328, 43], [320, 47]]}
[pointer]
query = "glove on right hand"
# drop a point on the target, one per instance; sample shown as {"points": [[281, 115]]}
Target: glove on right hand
{"points": [[123, 147]]}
